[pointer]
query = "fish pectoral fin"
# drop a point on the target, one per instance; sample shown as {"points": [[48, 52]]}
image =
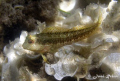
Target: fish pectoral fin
{"points": [[44, 58]]}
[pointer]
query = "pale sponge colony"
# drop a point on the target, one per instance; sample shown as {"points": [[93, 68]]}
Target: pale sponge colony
{"points": [[95, 57]]}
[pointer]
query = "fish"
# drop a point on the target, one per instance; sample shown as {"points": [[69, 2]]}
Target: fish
{"points": [[52, 38]]}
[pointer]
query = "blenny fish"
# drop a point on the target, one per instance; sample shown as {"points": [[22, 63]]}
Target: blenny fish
{"points": [[52, 38]]}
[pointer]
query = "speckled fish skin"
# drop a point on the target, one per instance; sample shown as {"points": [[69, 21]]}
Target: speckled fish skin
{"points": [[53, 38], [59, 35]]}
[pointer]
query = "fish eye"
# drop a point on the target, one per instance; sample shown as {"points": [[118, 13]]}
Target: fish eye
{"points": [[30, 41]]}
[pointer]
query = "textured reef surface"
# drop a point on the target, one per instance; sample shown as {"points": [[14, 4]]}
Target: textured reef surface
{"points": [[93, 57]]}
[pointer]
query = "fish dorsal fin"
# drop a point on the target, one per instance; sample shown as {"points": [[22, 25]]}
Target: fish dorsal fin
{"points": [[55, 30]]}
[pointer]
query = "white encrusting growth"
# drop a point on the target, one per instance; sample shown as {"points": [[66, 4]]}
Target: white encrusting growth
{"points": [[14, 55], [23, 37]]}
